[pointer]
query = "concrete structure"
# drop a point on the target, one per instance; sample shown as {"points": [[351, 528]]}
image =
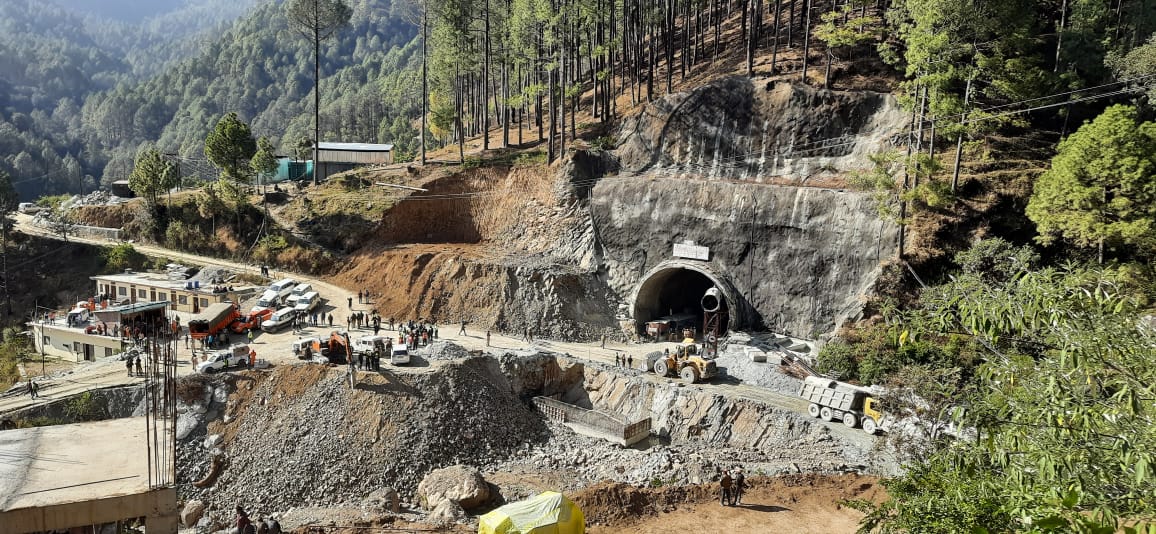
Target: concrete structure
{"points": [[62, 341], [594, 423], [185, 296], [333, 158], [66, 476], [84, 341]]}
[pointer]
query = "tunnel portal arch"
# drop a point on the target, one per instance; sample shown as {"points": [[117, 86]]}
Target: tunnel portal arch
{"points": [[675, 287]]}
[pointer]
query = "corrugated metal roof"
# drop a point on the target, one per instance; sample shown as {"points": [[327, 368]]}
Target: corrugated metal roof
{"points": [[137, 307], [356, 147]]}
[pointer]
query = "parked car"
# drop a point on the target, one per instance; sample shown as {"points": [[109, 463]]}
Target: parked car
{"points": [[283, 288], [269, 300], [28, 207], [365, 344], [300, 290], [400, 355], [237, 356], [305, 303], [280, 319]]}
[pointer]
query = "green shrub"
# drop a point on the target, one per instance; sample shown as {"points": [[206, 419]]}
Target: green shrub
{"points": [[51, 201], [838, 359], [123, 256], [85, 407]]}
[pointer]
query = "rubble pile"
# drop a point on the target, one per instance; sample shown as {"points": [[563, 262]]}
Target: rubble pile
{"points": [[95, 198], [291, 441]]}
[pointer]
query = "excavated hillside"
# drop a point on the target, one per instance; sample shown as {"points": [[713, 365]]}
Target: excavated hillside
{"points": [[746, 172]]}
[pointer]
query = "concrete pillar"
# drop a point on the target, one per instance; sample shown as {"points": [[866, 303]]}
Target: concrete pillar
{"points": [[161, 524]]}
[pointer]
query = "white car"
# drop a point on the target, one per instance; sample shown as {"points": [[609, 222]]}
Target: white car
{"points": [[269, 300], [400, 355], [279, 319], [305, 303], [223, 360], [365, 344]]}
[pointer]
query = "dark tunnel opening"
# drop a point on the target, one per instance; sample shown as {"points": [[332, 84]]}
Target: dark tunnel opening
{"points": [[676, 294]]}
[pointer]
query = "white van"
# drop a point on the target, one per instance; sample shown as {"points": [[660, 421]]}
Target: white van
{"points": [[365, 344], [269, 300], [400, 355], [77, 316], [283, 287], [279, 319], [305, 303]]}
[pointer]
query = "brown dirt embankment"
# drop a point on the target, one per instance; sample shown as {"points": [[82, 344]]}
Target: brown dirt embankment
{"points": [[796, 503]]}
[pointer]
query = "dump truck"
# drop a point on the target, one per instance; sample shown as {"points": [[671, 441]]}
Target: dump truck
{"points": [[686, 362], [252, 322], [212, 320], [839, 401]]}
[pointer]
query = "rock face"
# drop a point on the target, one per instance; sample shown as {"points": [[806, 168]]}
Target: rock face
{"points": [[459, 484]]}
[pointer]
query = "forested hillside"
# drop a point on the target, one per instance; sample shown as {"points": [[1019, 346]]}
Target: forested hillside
{"points": [[53, 56]]}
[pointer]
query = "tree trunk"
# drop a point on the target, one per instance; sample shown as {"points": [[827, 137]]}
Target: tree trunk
{"points": [[775, 46], [316, 101], [806, 39], [424, 77]]}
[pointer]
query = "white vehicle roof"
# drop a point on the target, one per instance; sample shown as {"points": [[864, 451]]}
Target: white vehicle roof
{"points": [[400, 347], [281, 314], [78, 310], [280, 285], [269, 294], [302, 289], [370, 339]]}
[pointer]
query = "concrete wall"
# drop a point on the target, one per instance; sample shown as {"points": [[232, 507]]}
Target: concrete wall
{"points": [[158, 507]]}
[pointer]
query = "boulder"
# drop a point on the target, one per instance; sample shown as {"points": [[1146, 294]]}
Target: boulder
{"points": [[447, 512], [192, 513], [460, 484], [383, 500]]}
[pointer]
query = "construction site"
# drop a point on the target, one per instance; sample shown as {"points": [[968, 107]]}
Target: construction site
{"points": [[621, 326]]}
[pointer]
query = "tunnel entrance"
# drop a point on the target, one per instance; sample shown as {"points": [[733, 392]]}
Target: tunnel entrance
{"points": [[676, 293]]}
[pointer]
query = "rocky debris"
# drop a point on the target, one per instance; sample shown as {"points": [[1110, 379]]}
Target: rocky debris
{"points": [[447, 512], [192, 512], [443, 350], [734, 360], [318, 443], [461, 484], [95, 198], [381, 501]]}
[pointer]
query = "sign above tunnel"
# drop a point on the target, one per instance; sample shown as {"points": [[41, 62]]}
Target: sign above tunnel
{"points": [[691, 251]]}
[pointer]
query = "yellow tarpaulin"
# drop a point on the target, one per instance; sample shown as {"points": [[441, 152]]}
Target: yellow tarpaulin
{"points": [[548, 513]]}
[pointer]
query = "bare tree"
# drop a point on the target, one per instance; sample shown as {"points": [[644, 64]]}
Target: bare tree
{"points": [[318, 20]]}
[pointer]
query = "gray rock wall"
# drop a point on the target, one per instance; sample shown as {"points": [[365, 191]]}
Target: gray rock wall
{"points": [[801, 258], [699, 167]]}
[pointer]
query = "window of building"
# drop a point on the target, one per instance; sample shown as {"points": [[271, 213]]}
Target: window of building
{"points": [[182, 299], [204, 302], [121, 291], [141, 293], [107, 352]]}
